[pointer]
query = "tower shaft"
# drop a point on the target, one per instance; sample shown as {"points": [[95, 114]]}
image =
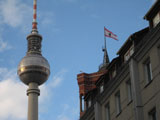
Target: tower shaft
{"points": [[33, 92]]}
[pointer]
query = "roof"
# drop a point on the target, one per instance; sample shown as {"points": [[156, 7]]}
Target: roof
{"points": [[153, 10], [135, 35]]}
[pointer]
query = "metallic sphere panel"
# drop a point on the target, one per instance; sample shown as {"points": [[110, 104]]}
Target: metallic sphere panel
{"points": [[33, 68], [37, 77], [33, 59]]}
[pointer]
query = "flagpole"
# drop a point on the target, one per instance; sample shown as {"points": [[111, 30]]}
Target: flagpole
{"points": [[106, 58], [104, 39], [104, 49]]}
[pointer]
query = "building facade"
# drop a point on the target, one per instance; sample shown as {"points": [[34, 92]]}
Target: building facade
{"points": [[129, 86]]}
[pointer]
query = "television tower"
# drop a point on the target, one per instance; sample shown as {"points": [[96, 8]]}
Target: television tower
{"points": [[33, 69]]}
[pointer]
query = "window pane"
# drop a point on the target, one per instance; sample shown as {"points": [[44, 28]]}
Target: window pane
{"points": [[101, 88], [83, 104], [156, 20], [108, 112], [89, 103], [129, 90], [118, 102], [148, 69], [152, 114]]}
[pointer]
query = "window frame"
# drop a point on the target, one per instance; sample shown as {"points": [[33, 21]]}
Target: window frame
{"points": [[152, 114], [148, 71], [118, 102], [129, 53], [89, 103], [129, 90], [107, 111], [101, 88], [83, 104], [158, 50], [156, 19]]}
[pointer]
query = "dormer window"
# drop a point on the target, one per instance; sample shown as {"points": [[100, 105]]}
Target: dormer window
{"points": [[113, 73], [89, 103], [156, 19], [129, 53], [153, 15], [101, 88]]}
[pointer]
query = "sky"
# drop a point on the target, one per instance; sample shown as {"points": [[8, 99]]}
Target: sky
{"points": [[73, 37]]}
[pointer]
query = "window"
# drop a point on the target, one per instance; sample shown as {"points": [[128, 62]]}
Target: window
{"points": [[152, 114], [89, 103], [83, 105], [113, 73], [148, 70], [129, 53], [118, 102], [101, 88], [156, 20], [159, 52], [107, 107], [129, 90]]}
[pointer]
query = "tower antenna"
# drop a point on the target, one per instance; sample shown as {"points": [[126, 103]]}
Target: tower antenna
{"points": [[34, 23]]}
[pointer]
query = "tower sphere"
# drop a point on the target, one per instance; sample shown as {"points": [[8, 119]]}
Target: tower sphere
{"points": [[33, 68]]}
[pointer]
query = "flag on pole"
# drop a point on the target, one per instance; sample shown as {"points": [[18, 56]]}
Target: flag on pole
{"points": [[108, 33]]}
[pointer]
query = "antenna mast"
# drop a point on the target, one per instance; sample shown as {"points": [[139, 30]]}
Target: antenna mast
{"points": [[34, 23]]}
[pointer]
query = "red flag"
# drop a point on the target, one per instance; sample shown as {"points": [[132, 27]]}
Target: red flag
{"points": [[108, 33]]}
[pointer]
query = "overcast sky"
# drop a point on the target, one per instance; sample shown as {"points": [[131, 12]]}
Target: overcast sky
{"points": [[73, 36]]}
